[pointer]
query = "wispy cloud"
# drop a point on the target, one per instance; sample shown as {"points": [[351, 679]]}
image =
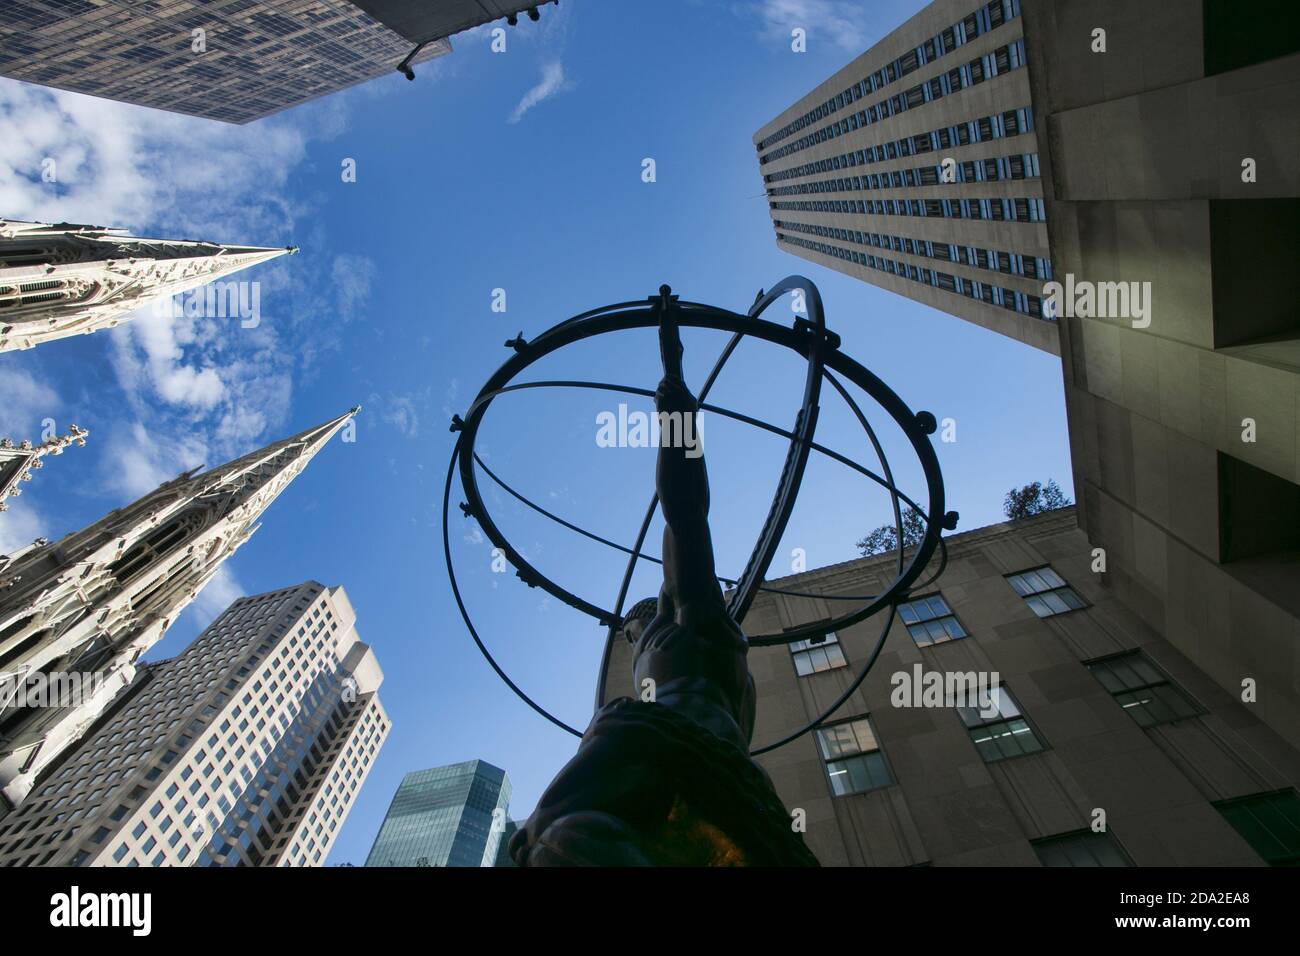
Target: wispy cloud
{"points": [[219, 594], [841, 23], [19, 527], [25, 402], [552, 82], [352, 277]]}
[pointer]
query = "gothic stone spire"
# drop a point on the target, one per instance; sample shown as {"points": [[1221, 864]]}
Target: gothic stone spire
{"points": [[65, 279]]}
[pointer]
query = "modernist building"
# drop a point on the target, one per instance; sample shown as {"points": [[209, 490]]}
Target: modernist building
{"points": [[247, 749], [447, 816], [17, 462], [62, 280], [1159, 181], [231, 60], [916, 168], [1102, 744], [90, 604]]}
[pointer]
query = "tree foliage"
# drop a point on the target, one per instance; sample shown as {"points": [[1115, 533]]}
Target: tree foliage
{"points": [[1033, 499], [885, 538]]}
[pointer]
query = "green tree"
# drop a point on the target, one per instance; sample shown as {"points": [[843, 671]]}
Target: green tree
{"points": [[885, 538], [1034, 499]]}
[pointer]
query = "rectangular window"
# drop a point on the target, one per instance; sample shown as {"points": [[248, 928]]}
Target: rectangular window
{"points": [[1269, 822], [854, 762], [1081, 848], [812, 656], [1142, 689], [998, 729], [1045, 592], [930, 621]]}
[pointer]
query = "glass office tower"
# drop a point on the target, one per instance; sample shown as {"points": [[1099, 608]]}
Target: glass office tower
{"points": [[448, 816]]}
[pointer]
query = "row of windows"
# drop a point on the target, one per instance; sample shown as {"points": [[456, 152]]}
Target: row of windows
{"points": [[996, 126], [1000, 61], [995, 210], [998, 727], [1022, 302], [992, 169], [1009, 263], [983, 20]]}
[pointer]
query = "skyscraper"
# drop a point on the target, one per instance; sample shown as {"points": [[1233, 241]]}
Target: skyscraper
{"points": [[447, 816], [916, 168], [1105, 744], [1132, 173], [62, 280], [230, 60], [17, 462], [247, 749], [93, 602]]}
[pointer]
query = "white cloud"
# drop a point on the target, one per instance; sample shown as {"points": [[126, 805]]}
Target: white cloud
{"points": [[138, 460], [24, 403], [552, 82], [160, 337], [217, 595], [400, 413], [839, 22], [352, 277], [19, 526]]}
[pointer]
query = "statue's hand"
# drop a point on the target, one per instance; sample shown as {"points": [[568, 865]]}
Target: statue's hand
{"points": [[672, 395]]}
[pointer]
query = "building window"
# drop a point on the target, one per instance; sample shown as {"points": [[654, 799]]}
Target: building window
{"points": [[814, 655], [998, 729], [930, 621], [1045, 592], [1269, 822], [1081, 848], [854, 762], [1142, 689]]}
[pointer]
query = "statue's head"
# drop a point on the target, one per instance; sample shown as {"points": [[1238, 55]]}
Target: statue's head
{"points": [[638, 618]]}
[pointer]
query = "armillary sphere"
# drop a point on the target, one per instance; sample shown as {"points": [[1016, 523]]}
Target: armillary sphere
{"points": [[820, 347]]}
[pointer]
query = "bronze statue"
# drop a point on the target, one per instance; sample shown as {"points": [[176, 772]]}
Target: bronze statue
{"points": [[669, 780]]}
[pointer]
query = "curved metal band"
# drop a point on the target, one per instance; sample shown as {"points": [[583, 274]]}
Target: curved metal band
{"points": [[808, 339]]}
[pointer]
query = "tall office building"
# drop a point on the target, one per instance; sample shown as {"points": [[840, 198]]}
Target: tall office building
{"points": [[247, 749], [61, 280], [1160, 181], [1097, 742], [916, 168], [17, 462], [230, 60], [447, 816], [89, 605]]}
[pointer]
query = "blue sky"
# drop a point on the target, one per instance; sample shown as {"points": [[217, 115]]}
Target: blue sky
{"points": [[519, 171]]}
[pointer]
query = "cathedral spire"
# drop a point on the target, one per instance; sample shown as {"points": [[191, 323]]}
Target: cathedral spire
{"points": [[65, 279], [96, 600], [17, 462]]}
